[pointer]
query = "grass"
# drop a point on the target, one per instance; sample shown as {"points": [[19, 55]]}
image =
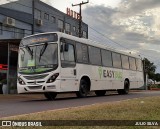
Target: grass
{"points": [[155, 86], [136, 109]]}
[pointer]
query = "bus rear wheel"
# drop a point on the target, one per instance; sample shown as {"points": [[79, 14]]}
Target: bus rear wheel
{"points": [[100, 92], [126, 88], [83, 89], [50, 95]]}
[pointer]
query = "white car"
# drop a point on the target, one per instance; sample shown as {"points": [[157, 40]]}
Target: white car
{"points": [[150, 81]]}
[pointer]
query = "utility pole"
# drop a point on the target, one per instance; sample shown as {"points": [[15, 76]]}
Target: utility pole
{"points": [[80, 16]]}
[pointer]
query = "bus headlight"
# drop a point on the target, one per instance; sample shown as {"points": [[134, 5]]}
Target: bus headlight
{"points": [[53, 78], [21, 81]]}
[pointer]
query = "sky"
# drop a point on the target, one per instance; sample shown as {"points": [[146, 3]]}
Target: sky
{"points": [[126, 25]]}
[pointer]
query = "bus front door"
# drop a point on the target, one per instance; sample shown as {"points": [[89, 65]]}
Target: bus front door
{"points": [[68, 68]]}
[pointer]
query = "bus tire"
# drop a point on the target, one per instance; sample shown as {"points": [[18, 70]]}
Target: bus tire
{"points": [[126, 88], [83, 89], [120, 91], [100, 92], [50, 95]]}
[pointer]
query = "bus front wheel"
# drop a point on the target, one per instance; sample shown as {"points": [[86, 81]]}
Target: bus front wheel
{"points": [[83, 89], [50, 95]]}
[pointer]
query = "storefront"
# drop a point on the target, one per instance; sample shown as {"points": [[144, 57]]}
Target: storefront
{"points": [[8, 64], [22, 18]]}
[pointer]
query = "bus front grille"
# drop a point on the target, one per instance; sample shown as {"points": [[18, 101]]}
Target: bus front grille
{"points": [[36, 77], [35, 87]]}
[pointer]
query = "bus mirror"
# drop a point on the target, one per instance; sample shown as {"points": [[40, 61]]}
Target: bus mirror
{"points": [[61, 48], [66, 47]]}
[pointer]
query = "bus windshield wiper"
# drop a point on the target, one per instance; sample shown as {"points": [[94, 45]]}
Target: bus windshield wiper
{"points": [[29, 51], [42, 51]]}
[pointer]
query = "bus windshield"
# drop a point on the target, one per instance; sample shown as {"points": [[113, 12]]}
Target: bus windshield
{"points": [[38, 59]]}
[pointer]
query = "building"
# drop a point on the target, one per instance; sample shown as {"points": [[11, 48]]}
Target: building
{"points": [[26, 17]]}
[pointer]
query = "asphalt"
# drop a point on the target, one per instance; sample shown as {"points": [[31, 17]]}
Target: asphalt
{"points": [[12, 105]]}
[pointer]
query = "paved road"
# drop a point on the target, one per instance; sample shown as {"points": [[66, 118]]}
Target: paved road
{"points": [[24, 104]]}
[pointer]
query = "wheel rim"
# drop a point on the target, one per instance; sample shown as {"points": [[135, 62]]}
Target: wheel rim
{"points": [[50, 96], [84, 89], [126, 86]]}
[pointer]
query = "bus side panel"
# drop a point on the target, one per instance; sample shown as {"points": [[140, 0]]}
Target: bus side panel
{"points": [[117, 79], [99, 82], [102, 78], [132, 76], [84, 70], [140, 78], [69, 81], [92, 71]]}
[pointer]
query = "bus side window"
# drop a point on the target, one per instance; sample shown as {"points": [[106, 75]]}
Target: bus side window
{"points": [[132, 63], [125, 62], [67, 55], [116, 60], [139, 64], [82, 53], [95, 55], [107, 58]]}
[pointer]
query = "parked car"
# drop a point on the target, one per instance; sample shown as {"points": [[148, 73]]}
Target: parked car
{"points": [[150, 81]]}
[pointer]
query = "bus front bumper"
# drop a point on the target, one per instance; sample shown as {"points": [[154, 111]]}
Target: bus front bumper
{"points": [[39, 88]]}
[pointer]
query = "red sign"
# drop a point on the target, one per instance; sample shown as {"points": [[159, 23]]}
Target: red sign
{"points": [[73, 14], [3, 67]]}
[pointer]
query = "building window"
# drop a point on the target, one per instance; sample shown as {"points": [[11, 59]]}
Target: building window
{"points": [[18, 33], [53, 19], [67, 27], [74, 28], [37, 14], [84, 34], [8, 29], [0, 28], [46, 16], [60, 24], [15, 32]]}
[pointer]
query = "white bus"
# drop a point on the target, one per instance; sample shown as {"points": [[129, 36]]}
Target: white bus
{"points": [[52, 63]]}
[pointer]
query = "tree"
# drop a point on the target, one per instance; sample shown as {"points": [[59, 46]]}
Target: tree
{"points": [[157, 77], [149, 68]]}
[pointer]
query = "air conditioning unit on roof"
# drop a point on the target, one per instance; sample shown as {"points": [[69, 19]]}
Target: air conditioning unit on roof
{"points": [[9, 21]]}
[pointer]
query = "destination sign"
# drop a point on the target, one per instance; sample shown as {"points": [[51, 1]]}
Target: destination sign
{"points": [[43, 38]]}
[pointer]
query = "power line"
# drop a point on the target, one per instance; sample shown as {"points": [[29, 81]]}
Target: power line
{"points": [[107, 37], [80, 16], [120, 44]]}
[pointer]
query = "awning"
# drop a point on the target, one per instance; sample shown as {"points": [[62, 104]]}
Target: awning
{"points": [[10, 41]]}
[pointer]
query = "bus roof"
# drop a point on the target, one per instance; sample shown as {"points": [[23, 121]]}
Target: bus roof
{"points": [[86, 41]]}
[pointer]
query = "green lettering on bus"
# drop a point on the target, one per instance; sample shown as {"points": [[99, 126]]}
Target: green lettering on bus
{"points": [[100, 71]]}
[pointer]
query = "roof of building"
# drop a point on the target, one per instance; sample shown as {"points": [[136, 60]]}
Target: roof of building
{"points": [[21, 16]]}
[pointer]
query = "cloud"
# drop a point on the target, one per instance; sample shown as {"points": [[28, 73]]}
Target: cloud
{"points": [[132, 7], [133, 25]]}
